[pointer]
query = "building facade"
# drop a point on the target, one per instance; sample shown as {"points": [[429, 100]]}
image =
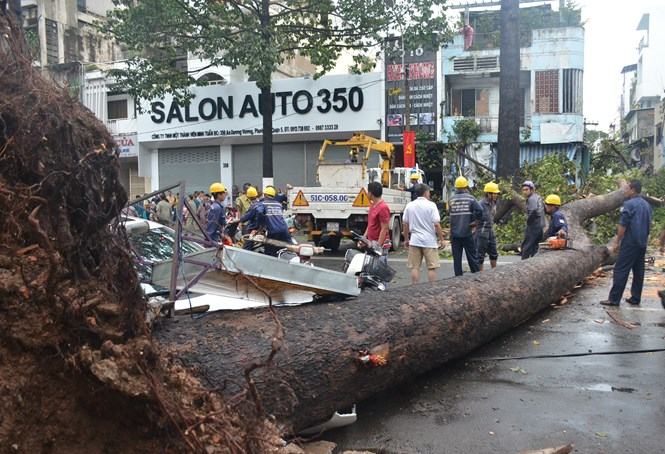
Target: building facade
{"points": [[64, 39], [551, 81], [218, 136], [643, 91]]}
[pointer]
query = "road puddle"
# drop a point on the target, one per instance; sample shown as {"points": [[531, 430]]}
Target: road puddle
{"points": [[604, 387]]}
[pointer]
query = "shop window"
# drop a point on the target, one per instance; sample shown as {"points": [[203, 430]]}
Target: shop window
{"points": [[547, 91], [472, 102], [572, 91], [117, 110]]}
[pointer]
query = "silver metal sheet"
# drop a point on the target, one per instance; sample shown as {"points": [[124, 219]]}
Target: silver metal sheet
{"points": [[289, 283]]}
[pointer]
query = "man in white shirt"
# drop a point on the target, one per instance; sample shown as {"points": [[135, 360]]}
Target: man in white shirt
{"points": [[422, 227]]}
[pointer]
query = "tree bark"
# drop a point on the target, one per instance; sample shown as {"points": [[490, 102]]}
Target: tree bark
{"points": [[266, 97], [316, 371], [266, 112], [509, 91]]}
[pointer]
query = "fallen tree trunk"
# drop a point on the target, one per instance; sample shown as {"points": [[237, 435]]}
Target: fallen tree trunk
{"points": [[317, 370]]}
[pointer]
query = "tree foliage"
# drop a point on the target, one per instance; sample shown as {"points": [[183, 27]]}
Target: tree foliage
{"points": [[259, 35]]}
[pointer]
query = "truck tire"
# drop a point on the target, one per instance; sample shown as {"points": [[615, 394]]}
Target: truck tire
{"points": [[396, 234]]}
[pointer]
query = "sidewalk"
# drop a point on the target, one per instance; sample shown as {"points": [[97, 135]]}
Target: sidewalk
{"points": [[600, 403]]}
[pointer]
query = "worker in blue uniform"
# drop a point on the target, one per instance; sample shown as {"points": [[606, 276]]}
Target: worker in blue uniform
{"points": [[632, 237], [216, 215], [558, 225], [465, 214], [271, 217], [535, 220]]}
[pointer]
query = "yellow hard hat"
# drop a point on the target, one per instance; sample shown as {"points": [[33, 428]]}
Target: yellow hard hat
{"points": [[252, 192], [217, 187], [414, 176], [553, 199], [492, 188], [461, 183], [269, 191]]}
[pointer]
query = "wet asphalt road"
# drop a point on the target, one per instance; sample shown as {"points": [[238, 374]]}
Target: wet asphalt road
{"points": [[601, 404], [397, 260]]}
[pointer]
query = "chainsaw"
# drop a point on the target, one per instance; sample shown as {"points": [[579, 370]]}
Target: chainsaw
{"points": [[555, 243]]}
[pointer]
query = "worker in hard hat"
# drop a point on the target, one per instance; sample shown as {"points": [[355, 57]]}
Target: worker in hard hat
{"points": [[535, 220], [558, 225], [465, 213], [484, 236], [216, 214], [414, 181], [242, 202], [271, 218], [250, 220]]}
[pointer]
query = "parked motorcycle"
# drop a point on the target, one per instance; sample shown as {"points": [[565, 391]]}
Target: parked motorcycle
{"points": [[369, 263]]}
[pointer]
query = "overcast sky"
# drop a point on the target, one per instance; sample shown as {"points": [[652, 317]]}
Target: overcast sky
{"points": [[611, 43]]}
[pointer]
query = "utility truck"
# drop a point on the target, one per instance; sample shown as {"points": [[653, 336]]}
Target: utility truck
{"points": [[340, 203]]}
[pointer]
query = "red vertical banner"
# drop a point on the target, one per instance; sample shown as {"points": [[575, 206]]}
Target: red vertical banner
{"points": [[409, 145]]}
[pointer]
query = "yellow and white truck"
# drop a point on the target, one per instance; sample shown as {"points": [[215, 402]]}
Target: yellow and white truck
{"points": [[340, 203]]}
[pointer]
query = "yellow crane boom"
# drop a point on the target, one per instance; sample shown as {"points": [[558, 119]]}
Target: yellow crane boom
{"points": [[364, 145]]}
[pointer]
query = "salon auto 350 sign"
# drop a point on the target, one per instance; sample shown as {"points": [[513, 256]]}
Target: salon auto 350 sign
{"points": [[301, 106]]}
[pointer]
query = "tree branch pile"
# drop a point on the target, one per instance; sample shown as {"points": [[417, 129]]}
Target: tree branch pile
{"points": [[417, 328], [78, 368]]}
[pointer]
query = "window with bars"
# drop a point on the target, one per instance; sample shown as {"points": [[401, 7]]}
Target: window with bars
{"points": [[52, 48], [572, 91], [547, 91], [117, 110]]}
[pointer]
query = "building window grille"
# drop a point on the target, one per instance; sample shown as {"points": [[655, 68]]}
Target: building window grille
{"points": [[117, 110], [547, 91], [52, 50], [572, 91]]}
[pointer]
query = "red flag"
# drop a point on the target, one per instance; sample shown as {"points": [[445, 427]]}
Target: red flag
{"points": [[409, 145]]}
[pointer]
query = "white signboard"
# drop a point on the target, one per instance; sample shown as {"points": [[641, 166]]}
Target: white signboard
{"points": [[126, 145], [345, 103]]}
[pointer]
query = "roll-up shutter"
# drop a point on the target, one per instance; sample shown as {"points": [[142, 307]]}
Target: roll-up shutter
{"points": [[198, 167]]}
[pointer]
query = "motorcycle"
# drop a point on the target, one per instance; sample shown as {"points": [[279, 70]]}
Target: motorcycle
{"points": [[369, 263]]}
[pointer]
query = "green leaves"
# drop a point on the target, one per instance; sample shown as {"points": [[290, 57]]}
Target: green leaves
{"points": [[260, 35]]}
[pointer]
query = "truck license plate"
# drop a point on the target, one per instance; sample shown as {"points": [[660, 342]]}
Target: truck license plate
{"points": [[332, 226]]}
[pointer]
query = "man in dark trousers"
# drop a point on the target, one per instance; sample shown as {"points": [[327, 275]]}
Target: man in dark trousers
{"points": [[535, 220], [632, 237], [465, 213], [484, 237], [216, 219]]}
